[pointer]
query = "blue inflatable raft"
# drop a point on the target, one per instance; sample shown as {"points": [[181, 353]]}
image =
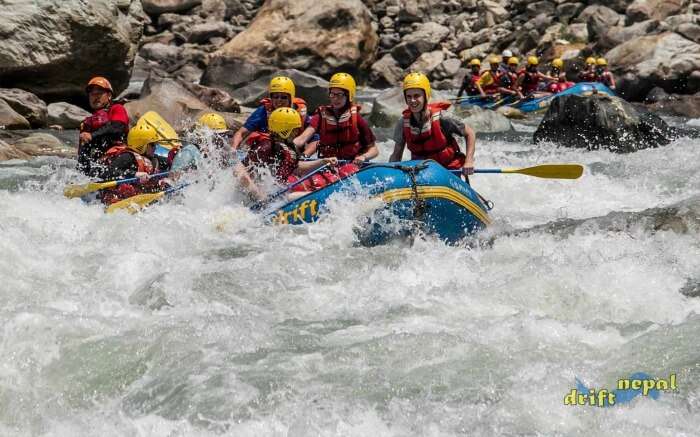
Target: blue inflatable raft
{"points": [[542, 103], [417, 196]]}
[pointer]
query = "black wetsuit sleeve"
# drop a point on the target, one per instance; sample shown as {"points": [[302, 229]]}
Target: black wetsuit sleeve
{"points": [[463, 88], [113, 129], [122, 167]]}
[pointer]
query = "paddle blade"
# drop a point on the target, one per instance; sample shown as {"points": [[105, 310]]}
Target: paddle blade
{"points": [[135, 203], [72, 191], [550, 171]]}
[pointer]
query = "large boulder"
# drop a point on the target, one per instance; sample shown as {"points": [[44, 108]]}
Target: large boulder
{"points": [[678, 105], [424, 39], [168, 98], [65, 115], [327, 36], [26, 104], [388, 106], [42, 144], [484, 120], [601, 121], [616, 35], [10, 119], [53, 48], [385, 72], [8, 151], [667, 60], [157, 7], [641, 10]]}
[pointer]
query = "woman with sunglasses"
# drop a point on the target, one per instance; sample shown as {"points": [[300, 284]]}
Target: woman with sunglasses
{"points": [[344, 134]]}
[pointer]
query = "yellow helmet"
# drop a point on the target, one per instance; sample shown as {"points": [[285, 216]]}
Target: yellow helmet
{"points": [[213, 121], [602, 62], [513, 60], [345, 82], [475, 61], [283, 121], [558, 63], [590, 60], [494, 59], [417, 81], [532, 60], [282, 84], [140, 136]]}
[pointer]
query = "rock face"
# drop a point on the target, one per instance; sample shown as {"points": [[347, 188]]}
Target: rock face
{"points": [[26, 104], [601, 122], [312, 89], [53, 48], [66, 115], [10, 119], [667, 60], [327, 36], [484, 120]]}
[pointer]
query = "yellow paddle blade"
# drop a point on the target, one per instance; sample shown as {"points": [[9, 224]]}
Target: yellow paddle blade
{"points": [[164, 129], [550, 171], [135, 203], [74, 190]]}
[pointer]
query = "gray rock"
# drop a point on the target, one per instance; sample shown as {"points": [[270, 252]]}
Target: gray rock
{"points": [[389, 40], [656, 95], [617, 35], [666, 59], [601, 122], [641, 10], [415, 10], [66, 115], [425, 39], [26, 104], [42, 144], [447, 69], [213, 10], [313, 89], [599, 19], [156, 7], [427, 62], [484, 120], [52, 49], [541, 7], [203, 32], [480, 51], [690, 31], [385, 72], [576, 32], [161, 53], [567, 11], [8, 152], [10, 119], [676, 105]]}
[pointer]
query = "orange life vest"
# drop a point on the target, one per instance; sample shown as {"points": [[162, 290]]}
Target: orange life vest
{"points": [[340, 137], [429, 142], [297, 103], [143, 164]]}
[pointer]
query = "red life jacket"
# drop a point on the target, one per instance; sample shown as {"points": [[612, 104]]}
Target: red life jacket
{"points": [[472, 90], [492, 88], [279, 157], [143, 164], [324, 178], [340, 137], [530, 82], [588, 76], [103, 116], [604, 78], [429, 142]]}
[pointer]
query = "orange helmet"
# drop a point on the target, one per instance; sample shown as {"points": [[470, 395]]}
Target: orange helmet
{"points": [[100, 82]]}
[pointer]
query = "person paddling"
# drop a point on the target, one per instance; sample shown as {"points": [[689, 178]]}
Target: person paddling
{"points": [[428, 132], [529, 79], [108, 124], [488, 82], [557, 71], [275, 152], [136, 159], [471, 79], [344, 134], [281, 94], [588, 74], [603, 75]]}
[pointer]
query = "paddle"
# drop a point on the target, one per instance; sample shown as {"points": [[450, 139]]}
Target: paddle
{"points": [[135, 203], [261, 203], [548, 171], [75, 190]]}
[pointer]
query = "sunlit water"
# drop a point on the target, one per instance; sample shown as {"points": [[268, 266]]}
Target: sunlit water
{"points": [[194, 318]]}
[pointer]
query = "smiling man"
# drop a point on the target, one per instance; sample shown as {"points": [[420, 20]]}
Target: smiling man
{"points": [[108, 124]]}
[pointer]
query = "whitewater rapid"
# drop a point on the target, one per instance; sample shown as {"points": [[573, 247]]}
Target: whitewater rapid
{"points": [[194, 318]]}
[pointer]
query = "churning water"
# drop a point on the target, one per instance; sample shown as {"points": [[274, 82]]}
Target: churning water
{"points": [[194, 318]]}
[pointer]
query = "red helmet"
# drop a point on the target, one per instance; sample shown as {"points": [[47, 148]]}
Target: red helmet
{"points": [[100, 82]]}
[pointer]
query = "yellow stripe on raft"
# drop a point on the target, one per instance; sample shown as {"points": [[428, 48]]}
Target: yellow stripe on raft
{"points": [[438, 192]]}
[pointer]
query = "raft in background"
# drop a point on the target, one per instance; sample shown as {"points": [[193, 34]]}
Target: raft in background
{"points": [[418, 195], [541, 103]]}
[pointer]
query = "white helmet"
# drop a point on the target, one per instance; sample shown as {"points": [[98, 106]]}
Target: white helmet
{"points": [[506, 54]]}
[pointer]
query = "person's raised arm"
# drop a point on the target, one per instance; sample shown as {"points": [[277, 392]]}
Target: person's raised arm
{"points": [[238, 138]]}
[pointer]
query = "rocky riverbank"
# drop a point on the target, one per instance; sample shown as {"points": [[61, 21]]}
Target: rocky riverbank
{"points": [[182, 57]]}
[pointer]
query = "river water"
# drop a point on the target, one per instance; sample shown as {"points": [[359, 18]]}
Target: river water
{"points": [[194, 318]]}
